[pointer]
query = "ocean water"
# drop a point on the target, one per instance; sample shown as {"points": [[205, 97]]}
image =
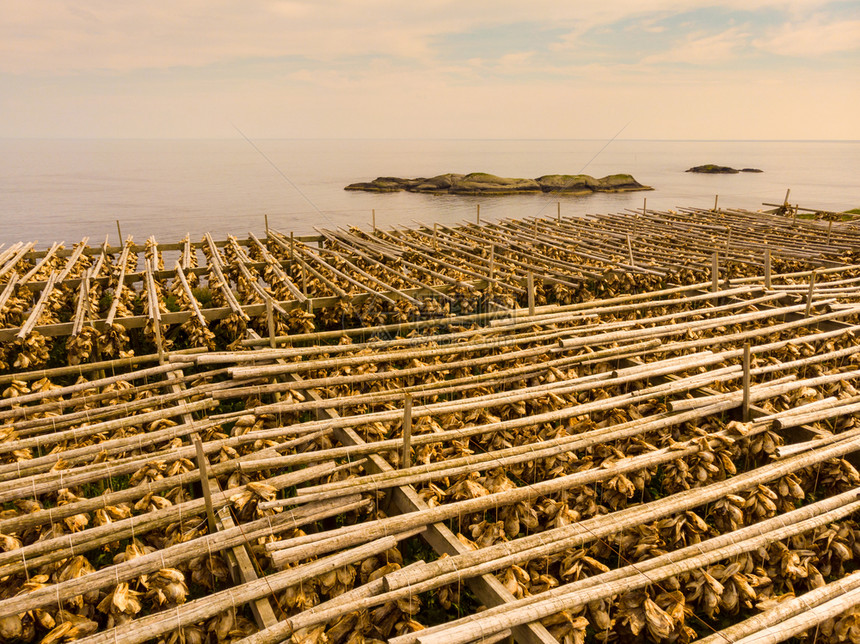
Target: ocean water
{"points": [[65, 190]]}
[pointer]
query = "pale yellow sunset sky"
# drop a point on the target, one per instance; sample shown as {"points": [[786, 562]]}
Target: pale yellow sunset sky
{"points": [[665, 69]]}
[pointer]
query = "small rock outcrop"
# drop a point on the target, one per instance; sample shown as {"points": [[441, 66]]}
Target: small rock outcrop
{"points": [[481, 183], [711, 168]]}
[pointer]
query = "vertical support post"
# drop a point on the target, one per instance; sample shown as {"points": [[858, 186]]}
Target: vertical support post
{"points": [[530, 288], [630, 249], [829, 230], [203, 466], [406, 448], [373, 215], [153, 309], [715, 272], [787, 192], [728, 239], [266, 219], [435, 236], [491, 269], [270, 321], [304, 280], [558, 216], [810, 294], [292, 246], [746, 400], [644, 207], [478, 215], [716, 201], [767, 283], [119, 232]]}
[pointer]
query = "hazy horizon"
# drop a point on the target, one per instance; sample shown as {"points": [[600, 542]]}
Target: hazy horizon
{"points": [[319, 138]]}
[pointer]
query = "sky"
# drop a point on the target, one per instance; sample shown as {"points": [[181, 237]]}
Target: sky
{"points": [[472, 69]]}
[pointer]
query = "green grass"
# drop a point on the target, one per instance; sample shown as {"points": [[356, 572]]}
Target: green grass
{"points": [[203, 296]]}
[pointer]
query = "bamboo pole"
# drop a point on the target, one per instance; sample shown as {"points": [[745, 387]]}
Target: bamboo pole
{"points": [[150, 626], [406, 449], [796, 420], [203, 466], [425, 577], [618, 520], [746, 384], [634, 577], [630, 250], [270, 322], [36, 311], [809, 295], [715, 272], [530, 287], [78, 433], [762, 392], [783, 610], [127, 466], [767, 278], [804, 621], [40, 553], [37, 424]]}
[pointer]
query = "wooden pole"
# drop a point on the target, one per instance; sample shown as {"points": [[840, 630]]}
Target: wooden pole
{"points": [[810, 294], [304, 280], [203, 466], [787, 192], [270, 321], [373, 215], [478, 215], [435, 236], [829, 229], [715, 272], [558, 216], [767, 281], [728, 239], [266, 219], [746, 382], [406, 449], [630, 249], [644, 207], [492, 268], [292, 246], [531, 292], [716, 201], [119, 232]]}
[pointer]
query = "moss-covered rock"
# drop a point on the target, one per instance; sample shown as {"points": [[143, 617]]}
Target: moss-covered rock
{"points": [[711, 168], [481, 183]]}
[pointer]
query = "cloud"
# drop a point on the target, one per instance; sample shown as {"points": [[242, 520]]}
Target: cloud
{"points": [[699, 49], [59, 36], [811, 39]]}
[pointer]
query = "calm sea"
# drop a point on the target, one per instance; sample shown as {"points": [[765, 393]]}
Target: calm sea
{"points": [[64, 190]]}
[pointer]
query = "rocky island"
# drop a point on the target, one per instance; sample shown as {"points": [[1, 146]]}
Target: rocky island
{"points": [[481, 183], [711, 168]]}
